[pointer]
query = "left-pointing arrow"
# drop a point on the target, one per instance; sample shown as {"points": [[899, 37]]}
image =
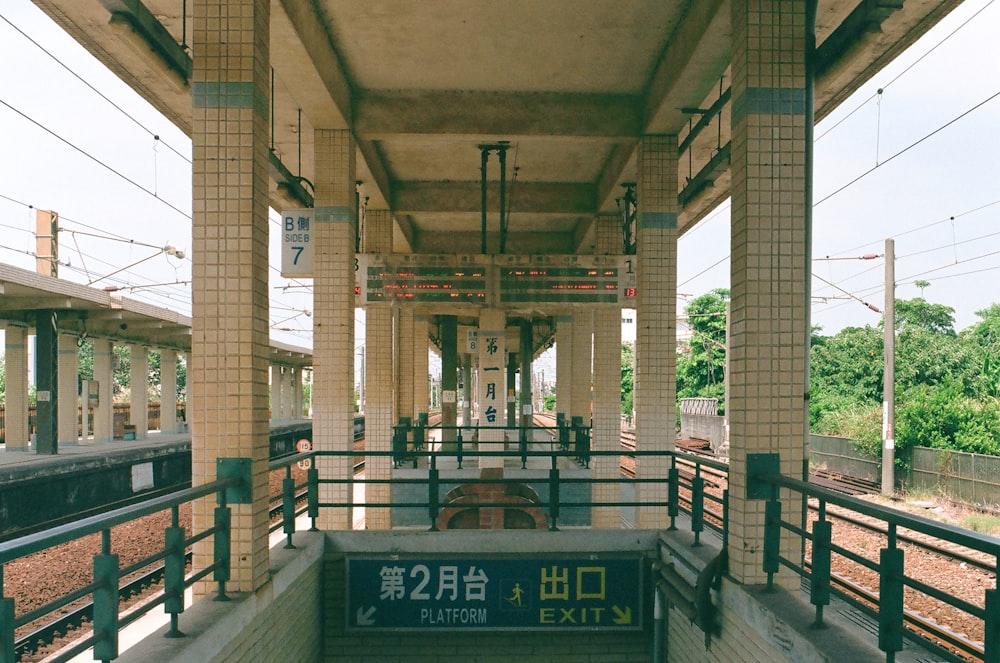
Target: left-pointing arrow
{"points": [[365, 617]]}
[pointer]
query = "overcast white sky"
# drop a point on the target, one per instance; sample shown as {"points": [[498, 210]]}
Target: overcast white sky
{"points": [[875, 178]]}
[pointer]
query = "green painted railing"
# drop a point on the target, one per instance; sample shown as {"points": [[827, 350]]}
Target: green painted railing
{"points": [[891, 567]]}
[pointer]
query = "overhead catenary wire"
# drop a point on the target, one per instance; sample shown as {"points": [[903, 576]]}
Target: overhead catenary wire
{"points": [[95, 90], [95, 159]]}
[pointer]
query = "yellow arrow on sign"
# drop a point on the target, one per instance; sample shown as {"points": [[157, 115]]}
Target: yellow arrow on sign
{"points": [[622, 617]]}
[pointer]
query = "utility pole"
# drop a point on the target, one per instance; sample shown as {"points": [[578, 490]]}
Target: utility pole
{"points": [[889, 376]]}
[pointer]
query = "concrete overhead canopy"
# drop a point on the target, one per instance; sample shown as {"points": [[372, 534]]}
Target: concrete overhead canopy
{"points": [[96, 313], [571, 85]]}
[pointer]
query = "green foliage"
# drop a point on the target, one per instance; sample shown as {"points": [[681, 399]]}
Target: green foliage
{"points": [[550, 402], [701, 368], [918, 312], [628, 378], [943, 417], [846, 369]]}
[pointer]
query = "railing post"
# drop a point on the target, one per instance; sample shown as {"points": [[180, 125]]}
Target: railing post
{"points": [[819, 582], [772, 536], [222, 546], [523, 444], [312, 496], [554, 495], [458, 452], [6, 625], [173, 577], [890, 613], [697, 504], [432, 493], [105, 602], [288, 506], [991, 641], [673, 494]]}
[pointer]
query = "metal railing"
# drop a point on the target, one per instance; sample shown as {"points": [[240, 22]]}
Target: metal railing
{"points": [[108, 575], [887, 606]]}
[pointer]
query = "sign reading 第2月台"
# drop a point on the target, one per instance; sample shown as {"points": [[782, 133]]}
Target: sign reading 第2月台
{"points": [[550, 593]]}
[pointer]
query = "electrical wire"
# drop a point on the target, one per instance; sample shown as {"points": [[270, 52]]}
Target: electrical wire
{"points": [[908, 148], [95, 159], [98, 92]]}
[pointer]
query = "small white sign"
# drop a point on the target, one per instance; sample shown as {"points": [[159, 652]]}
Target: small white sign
{"points": [[43, 396], [142, 477], [448, 396], [297, 243], [473, 340], [526, 410]]}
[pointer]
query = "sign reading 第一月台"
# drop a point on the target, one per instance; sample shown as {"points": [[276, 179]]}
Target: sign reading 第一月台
{"points": [[551, 593]]}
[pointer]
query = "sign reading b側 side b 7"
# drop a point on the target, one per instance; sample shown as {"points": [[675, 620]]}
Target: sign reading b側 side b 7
{"points": [[493, 594], [296, 243]]}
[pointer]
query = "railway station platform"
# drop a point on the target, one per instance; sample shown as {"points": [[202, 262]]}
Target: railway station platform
{"points": [[623, 125]]}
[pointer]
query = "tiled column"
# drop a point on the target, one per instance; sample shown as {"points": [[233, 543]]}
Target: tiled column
{"points": [[380, 391], [449, 378], [583, 329], [168, 391], [230, 345], [104, 374], [564, 365], [770, 267], [296, 386], [465, 413], [656, 313], [277, 392], [405, 364], [607, 387], [16, 394], [421, 394], [333, 317], [492, 385], [139, 391], [68, 401]]}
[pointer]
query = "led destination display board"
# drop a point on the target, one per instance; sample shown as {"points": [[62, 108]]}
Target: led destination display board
{"points": [[497, 280]]}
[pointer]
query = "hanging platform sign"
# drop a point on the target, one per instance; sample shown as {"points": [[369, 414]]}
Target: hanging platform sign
{"points": [[297, 244], [544, 593]]}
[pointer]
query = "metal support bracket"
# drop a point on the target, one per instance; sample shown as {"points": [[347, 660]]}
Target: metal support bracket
{"points": [[758, 464], [227, 468]]}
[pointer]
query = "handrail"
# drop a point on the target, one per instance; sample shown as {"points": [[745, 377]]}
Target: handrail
{"points": [[106, 582], [890, 566], [32, 543], [107, 576]]}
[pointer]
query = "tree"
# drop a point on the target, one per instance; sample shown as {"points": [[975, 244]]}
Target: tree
{"points": [[918, 312], [628, 377], [701, 369]]}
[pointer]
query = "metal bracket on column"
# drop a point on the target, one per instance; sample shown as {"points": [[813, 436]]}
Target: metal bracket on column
{"points": [[757, 465], [227, 468]]}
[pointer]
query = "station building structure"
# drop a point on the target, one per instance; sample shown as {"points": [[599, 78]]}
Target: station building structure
{"points": [[492, 177]]}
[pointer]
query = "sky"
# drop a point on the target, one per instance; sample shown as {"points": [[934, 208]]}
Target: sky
{"points": [[918, 162]]}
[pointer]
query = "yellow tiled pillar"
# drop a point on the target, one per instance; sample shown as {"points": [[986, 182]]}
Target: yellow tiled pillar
{"points": [[564, 365], [139, 391], [607, 387], [67, 402], [333, 318], [404, 363], [583, 330], [380, 389], [168, 391], [230, 346], [492, 385], [656, 311], [16, 394], [421, 368], [769, 324], [104, 374]]}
